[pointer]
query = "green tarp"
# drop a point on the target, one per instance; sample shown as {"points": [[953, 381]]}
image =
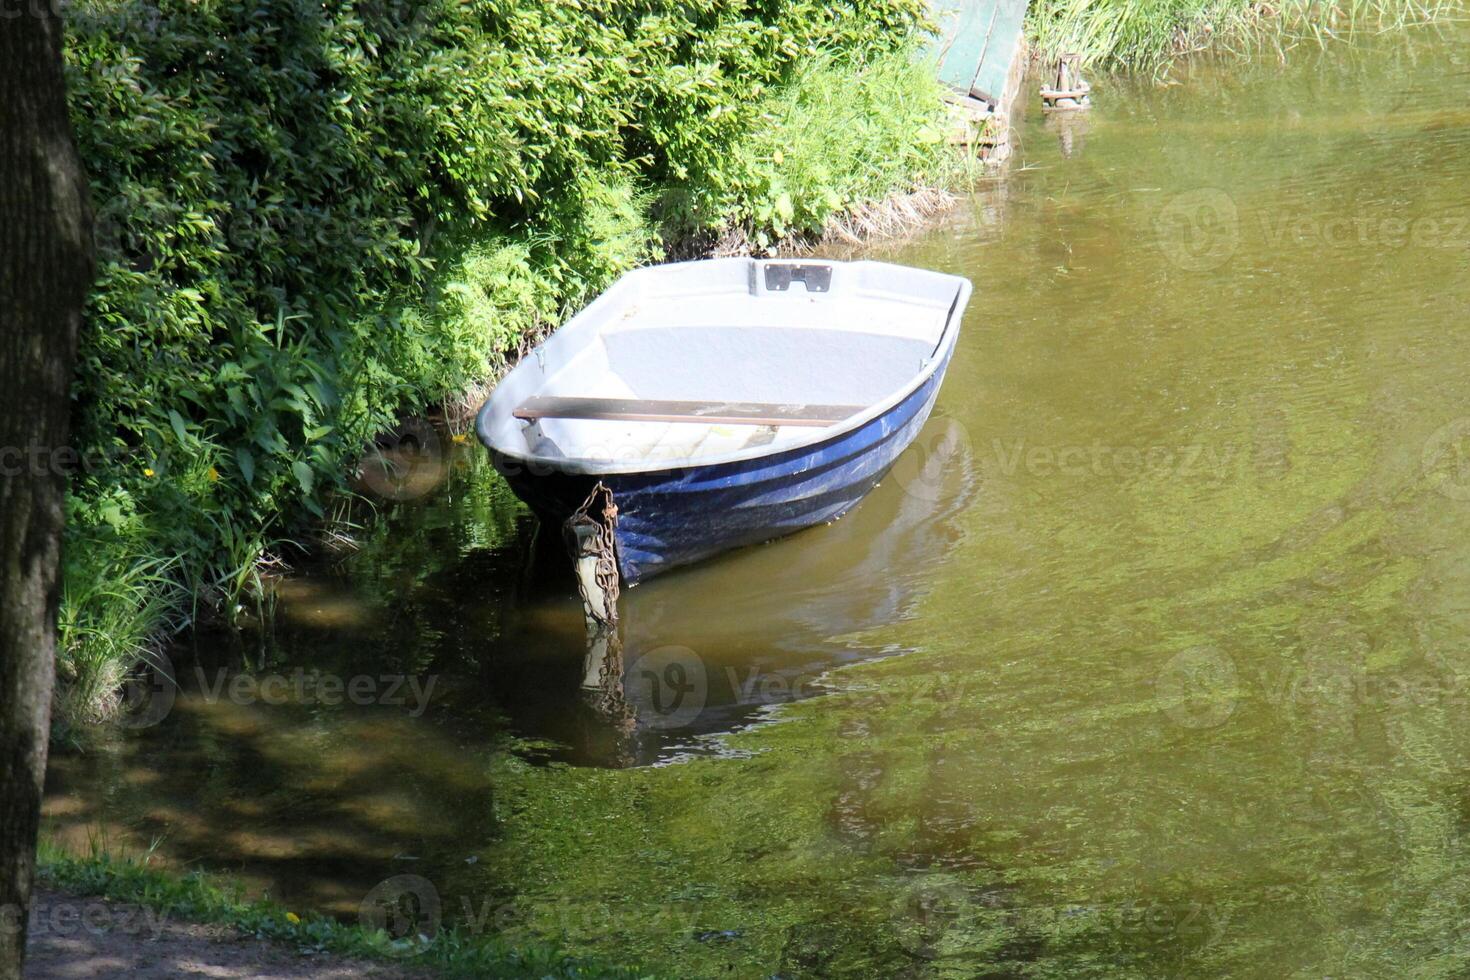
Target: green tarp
{"points": [[977, 44]]}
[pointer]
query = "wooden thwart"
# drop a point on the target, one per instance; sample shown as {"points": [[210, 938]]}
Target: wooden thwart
{"points": [[710, 413]]}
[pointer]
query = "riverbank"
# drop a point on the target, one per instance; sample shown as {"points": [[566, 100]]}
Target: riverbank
{"points": [[100, 915], [72, 936], [313, 234]]}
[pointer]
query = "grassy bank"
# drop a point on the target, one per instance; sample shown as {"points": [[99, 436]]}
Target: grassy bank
{"points": [[314, 220], [196, 897], [1148, 37]]}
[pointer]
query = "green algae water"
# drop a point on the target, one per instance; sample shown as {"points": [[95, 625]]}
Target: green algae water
{"points": [[1151, 658]]}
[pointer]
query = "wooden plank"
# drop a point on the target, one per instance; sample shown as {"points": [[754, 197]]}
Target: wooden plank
{"points": [[710, 413]]}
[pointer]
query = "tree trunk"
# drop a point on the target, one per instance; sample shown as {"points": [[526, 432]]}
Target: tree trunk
{"points": [[45, 270]]}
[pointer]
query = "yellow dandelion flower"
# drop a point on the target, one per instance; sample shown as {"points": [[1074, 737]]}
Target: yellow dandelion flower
{"points": [[293, 918], [148, 472], [460, 437], [213, 475]]}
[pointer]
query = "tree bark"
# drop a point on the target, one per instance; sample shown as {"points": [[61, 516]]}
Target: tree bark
{"points": [[45, 271]]}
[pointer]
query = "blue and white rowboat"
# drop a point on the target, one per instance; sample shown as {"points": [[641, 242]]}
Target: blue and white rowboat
{"points": [[725, 402]]}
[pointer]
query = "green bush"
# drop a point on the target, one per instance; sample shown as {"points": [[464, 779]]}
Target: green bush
{"points": [[315, 217]]}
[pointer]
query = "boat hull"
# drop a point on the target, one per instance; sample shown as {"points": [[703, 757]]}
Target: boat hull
{"points": [[678, 516]]}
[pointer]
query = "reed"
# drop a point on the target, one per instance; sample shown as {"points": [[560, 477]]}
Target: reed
{"points": [[1148, 36], [116, 608]]}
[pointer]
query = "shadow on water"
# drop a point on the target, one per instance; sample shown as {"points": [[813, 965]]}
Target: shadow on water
{"points": [[355, 744], [713, 648]]}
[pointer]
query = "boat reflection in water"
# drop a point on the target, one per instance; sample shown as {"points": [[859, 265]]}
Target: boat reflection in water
{"points": [[712, 648]]}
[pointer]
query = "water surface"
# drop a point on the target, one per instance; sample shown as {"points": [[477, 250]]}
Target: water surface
{"points": [[1153, 657]]}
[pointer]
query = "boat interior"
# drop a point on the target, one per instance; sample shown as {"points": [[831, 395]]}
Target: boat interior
{"points": [[682, 368]]}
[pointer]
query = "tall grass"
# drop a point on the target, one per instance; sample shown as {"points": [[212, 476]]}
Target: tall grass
{"points": [[115, 609], [838, 137], [1147, 36]]}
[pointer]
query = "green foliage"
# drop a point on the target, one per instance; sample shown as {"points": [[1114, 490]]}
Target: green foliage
{"points": [[314, 218], [496, 294], [838, 135]]}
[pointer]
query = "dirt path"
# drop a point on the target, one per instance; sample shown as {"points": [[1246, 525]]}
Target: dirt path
{"points": [[75, 937]]}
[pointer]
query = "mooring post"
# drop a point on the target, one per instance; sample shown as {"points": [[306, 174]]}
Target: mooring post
{"points": [[1068, 91], [590, 538], [582, 540]]}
